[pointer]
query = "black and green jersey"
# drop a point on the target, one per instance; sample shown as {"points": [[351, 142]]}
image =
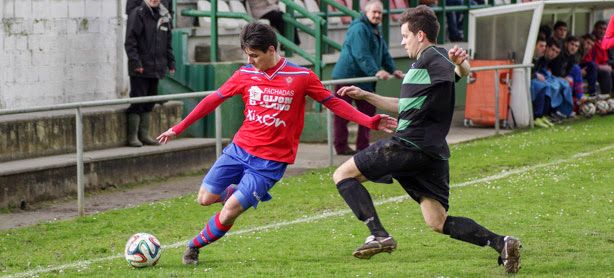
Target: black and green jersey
{"points": [[426, 103]]}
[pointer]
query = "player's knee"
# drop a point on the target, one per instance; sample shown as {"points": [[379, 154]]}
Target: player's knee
{"points": [[340, 175], [204, 200]]}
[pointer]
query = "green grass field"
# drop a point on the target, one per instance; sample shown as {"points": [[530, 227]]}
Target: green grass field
{"points": [[552, 188]]}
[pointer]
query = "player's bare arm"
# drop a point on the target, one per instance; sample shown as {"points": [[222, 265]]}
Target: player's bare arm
{"points": [[459, 56], [389, 104]]}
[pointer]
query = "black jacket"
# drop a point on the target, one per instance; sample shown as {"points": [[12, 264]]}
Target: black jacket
{"points": [[131, 4], [148, 42]]}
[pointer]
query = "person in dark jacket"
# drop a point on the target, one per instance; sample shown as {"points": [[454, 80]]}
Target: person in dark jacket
{"points": [[150, 56], [364, 54], [131, 4]]}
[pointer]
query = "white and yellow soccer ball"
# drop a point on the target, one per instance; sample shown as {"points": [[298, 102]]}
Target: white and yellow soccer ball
{"points": [[611, 104], [587, 109], [142, 249], [602, 107]]}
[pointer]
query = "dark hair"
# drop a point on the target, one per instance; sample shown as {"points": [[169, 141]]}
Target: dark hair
{"points": [[552, 42], [421, 18], [258, 36], [545, 29], [572, 39], [599, 22], [541, 38], [559, 24], [589, 37]]}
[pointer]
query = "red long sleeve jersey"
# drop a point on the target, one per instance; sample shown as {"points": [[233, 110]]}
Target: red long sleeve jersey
{"points": [[274, 108]]}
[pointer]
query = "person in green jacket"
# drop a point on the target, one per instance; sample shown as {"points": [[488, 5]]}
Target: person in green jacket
{"points": [[364, 54]]}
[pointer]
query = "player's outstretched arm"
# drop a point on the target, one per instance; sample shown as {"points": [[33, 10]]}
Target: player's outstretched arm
{"points": [[459, 56], [203, 108], [389, 104]]}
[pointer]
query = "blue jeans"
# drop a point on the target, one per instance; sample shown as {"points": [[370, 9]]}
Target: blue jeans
{"points": [[455, 20], [591, 76]]}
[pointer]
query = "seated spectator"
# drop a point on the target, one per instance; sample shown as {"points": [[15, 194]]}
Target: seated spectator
{"points": [[545, 31], [550, 95], [455, 21], [589, 68], [269, 9], [599, 56], [540, 49], [567, 66], [560, 32]]}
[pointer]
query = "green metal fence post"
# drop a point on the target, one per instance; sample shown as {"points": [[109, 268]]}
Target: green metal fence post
{"points": [[289, 32], [386, 22], [324, 11], [214, 38], [442, 22]]}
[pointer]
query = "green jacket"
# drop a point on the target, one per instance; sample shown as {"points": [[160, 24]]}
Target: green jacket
{"points": [[363, 54]]}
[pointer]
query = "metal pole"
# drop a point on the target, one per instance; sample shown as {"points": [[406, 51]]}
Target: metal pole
{"points": [[218, 131], [329, 136], [79, 139], [497, 102], [528, 95]]}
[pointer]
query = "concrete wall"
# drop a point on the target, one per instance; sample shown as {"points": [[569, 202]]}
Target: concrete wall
{"points": [[60, 51]]}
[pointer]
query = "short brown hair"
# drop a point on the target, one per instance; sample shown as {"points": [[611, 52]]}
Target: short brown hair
{"points": [[421, 18], [258, 36]]}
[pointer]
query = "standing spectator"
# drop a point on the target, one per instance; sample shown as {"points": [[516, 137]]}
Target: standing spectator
{"points": [[455, 21], [131, 4], [269, 9], [268, 139], [560, 32], [599, 56], [417, 155], [364, 53], [150, 56]]}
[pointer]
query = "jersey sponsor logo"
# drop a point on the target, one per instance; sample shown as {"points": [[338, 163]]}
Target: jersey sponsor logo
{"points": [[256, 78], [267, 120], [289, 80], [271, 98]]}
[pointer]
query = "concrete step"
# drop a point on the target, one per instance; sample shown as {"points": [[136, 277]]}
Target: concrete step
{"points": [[32, 135], [47, 178]]}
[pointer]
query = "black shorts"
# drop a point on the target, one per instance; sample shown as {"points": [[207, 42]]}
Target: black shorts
{"points": [[420, 174]]}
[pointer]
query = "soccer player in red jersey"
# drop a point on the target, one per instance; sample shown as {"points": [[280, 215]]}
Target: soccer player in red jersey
{"points": [[274, 92]]}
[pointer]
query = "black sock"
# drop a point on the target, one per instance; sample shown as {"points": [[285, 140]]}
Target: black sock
{"points": [[359, 200], [467, 230]]}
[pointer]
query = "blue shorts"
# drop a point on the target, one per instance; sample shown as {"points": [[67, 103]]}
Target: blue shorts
{"points": [[253, 176]]}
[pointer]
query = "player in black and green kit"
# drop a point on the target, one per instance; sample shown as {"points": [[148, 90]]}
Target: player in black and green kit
{"points": [[417, 155]]}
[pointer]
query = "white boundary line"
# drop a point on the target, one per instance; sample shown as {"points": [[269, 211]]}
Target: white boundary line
{"points": [[321, 216]]}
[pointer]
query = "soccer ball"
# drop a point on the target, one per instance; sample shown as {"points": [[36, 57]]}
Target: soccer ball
{"points": [[611, 104], [142, 249], [587, 109], [602, 107]]}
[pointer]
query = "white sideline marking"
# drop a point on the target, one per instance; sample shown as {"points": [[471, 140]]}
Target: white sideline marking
{"points": [[318, 217]]}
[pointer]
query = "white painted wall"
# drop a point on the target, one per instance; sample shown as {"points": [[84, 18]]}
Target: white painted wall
{"points": [[61, 51]]}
